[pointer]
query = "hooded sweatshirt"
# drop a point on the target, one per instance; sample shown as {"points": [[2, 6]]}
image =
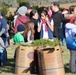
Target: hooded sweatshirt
{"points": [[70, 31], [21, 20]]}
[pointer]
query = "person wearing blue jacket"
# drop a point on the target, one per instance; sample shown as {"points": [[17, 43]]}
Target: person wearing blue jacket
{"points": [[70, 34]]}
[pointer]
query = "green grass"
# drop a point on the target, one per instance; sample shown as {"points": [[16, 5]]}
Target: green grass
{"points": [[9, 69]]}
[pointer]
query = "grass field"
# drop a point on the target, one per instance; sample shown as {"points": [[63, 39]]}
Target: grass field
{"points": [[9, 69]]}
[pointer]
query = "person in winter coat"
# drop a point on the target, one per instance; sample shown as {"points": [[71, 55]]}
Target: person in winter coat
{"points": [[70, 33], [22, 19]]}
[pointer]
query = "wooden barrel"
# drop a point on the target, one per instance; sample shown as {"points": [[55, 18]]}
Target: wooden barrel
{"points": [[50, 61], [40, 62], [24, 60]]}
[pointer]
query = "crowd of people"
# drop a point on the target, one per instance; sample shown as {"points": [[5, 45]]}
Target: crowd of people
{"points": [[51, 23], [46, 24]]}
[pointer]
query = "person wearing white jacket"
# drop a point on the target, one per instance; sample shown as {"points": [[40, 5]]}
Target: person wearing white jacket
{"points": [[70, 34]]}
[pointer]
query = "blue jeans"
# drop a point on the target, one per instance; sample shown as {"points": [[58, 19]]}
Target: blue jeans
{"points": [[3, 57]]}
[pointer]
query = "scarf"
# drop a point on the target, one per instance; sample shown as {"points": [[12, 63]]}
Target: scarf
{"points": [[44, 22]]}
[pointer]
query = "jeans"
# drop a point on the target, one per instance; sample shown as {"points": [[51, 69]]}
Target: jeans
{"points": [[3, 57], [72, 60]]}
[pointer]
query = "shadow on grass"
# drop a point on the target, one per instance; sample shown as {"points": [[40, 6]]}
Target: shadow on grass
{"points": [[66, 66], [9, 68]]}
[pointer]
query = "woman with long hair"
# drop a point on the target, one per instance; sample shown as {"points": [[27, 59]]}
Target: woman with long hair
{"points": [[34, 18]]}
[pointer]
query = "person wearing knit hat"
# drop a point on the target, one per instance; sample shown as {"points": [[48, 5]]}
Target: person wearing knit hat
{"points": [[22, 10], [22, 18], [20, 28], [18, 37]]}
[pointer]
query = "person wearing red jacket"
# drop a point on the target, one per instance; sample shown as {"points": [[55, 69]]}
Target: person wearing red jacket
{"points": [[22, 18]]}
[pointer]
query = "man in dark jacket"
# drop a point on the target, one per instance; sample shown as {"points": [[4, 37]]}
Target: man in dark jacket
{"points": [[57, 18]]}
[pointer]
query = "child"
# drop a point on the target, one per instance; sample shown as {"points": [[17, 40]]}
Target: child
{"points": [[18, 37], [70, 31], [3, 53], [45, 26], [29, 32]]}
